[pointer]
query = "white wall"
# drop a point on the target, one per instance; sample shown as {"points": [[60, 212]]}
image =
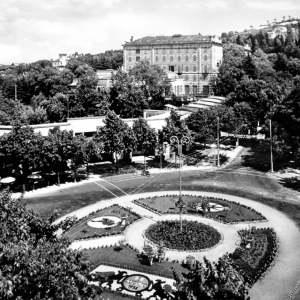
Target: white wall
{"points": [[90, 124]]}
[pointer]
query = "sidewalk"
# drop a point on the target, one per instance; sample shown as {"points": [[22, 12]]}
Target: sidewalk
{"points": [[93, 177]]}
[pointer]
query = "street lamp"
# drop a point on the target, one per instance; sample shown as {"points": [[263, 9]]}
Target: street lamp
{"points": [[180, 204], [218, 142], [271, 146]]}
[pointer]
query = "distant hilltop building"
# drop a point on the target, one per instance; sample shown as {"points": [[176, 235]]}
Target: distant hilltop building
{"points": [[62, 60], [274, 29], [195, 58]]}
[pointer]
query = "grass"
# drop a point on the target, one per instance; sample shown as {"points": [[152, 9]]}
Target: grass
{"points": [[236, 212], [83, 230], [128, 257], [108, 295], [67, 200]]}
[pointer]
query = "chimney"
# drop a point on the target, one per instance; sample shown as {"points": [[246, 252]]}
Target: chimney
{"points": [[131, 39]]}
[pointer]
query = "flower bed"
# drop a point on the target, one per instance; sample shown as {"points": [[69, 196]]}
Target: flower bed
{"points": [[194, 235], [233, 212], [254, 261], [82, 231]]}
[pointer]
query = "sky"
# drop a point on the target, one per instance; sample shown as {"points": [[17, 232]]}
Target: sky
{"points": [[31, 30]]}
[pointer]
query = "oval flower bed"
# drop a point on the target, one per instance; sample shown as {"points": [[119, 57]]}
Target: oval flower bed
{"points": [[194, 235]]}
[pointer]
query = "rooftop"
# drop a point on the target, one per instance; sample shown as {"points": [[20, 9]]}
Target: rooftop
{"points": [[174, 39]]}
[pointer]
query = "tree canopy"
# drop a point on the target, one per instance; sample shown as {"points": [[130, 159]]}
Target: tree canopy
{"points": [[35, 263]]}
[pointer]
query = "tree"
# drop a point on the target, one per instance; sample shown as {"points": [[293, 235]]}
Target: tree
{"points": [[35, 262], [161, 253], [146, 137], [174, 127], [153, 81], [127, 97], [55, 108], [57, 149], [217, 281], [230, 71], [22, 149], [150, 252], [116, 137], [90, 150]]}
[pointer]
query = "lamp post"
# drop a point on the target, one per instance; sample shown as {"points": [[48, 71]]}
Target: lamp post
{"points": [[271, 147], [180, 204], [218, 142]]}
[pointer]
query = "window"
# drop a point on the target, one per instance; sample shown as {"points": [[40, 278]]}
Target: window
{"points": [[186, 50], [186, 68], [137, 58], [164, 67], [156, 58], [194, 78], [156, 50], [145, 51], [186, 77], [194, 68], [205, 69], [205, 50], [194, 50], [179, 58], [129, 52], [186, 58], [171, 51], [194, 58], [164, 58], [178, 50], [137, 51], [129, 59], [171, 58], [164, 51], [205, 57], [129, 67], [171, 68]]}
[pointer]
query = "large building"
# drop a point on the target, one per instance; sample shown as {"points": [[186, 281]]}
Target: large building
{"points": [[195, 58]]}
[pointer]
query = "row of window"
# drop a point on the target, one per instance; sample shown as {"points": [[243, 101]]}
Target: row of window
{"points": [[164, 50], [186, 58], [164, 58], [205, 68]]}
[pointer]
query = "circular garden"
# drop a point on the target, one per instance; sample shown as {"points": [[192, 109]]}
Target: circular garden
{"points": [[195, 236]]}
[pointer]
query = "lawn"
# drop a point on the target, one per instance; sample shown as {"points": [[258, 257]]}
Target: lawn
{"points": [[235, 213], [66, 200], [129, 258], [83, 230]]}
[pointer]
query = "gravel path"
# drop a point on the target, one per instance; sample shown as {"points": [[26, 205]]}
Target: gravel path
{"points": [[278, 284]]}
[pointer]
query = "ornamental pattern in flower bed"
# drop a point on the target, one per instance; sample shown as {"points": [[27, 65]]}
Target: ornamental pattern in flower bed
{"points": [[82, 231], [194, 235], [232, 213]]}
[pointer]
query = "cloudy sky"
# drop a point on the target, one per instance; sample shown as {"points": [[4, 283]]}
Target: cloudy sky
{"points": [[40, 29]]}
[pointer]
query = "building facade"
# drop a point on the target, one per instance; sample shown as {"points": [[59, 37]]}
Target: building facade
{"points": [[61, 62], [195, 58]]}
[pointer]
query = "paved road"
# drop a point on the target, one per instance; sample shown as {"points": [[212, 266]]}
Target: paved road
{"points": [[238, 179]]}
